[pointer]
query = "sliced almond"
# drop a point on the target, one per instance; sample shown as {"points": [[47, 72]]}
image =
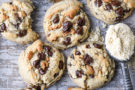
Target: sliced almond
{"points": [[23, 13], [90, 70], [30, 54]]}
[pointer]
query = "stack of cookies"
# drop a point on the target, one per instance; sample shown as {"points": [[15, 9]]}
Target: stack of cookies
{"points": [[66, 25]]}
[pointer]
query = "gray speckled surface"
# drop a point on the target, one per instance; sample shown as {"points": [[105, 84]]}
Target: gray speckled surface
{"points": [[9, 52]]}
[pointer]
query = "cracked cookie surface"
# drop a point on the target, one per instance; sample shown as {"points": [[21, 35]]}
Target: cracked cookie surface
{"points": [[15, 21], [89, 65], [66, 24], [111, 11], [41, 64]]}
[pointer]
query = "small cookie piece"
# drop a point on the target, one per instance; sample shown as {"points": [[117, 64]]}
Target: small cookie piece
{"points": [[15, 21], [41, 64], [89, 66], [110, 11], [120, 41], [65, 24]]}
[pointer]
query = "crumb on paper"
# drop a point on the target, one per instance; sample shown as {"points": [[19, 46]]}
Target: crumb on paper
{"points": [[96, 36]]}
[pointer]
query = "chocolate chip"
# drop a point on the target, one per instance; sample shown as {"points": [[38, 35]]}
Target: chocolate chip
{"points": [[118, 19], [81, 21], [17, 25], [67, 41], [42, 71], [92, 75], [10, 3], [77, 53], [97, 45], [56, 74], [98, 2], [22, 33], [47, 48], [88, 46], [50, 53], [61, 64], [41, 56], [67, 26], [36, 87], [2, 27], [36, 63], [79, 73], [87, 59], [108, 7], [56, 19], [79, 30], [116, 3], [120, 11]]}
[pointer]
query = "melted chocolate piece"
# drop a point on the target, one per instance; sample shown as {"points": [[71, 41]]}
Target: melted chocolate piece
{"points": [[67, 41], [56, 19], [79, 30], [42, 71], [120, 11], [98, 2], [67, 26], [41, 56], [81, 22], [79, 73], [77, 53], [108, 7], [116, 3], [22, 33], [88, 46], [2, 27], [97, 45], [87, 59], [56, 74], [36, 63], [61, 64]]}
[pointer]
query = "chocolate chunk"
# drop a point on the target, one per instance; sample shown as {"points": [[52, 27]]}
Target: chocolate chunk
{"points": [[41, 56], [22, 33], [87, 59], [97, 45], [120, 11], [61, 64], [10, 3], [77, 53], [88, 46], [50, 53], [47, 48], [118, 19], [79, 73], [36, 63], [81, 21], [92, 75], [67, 26], [2, 27], [98, 2], [56, 19], [42, 71], [116, 3], [56, 74], [108, 7], [79, 30], [67, 41], [36, 87]]}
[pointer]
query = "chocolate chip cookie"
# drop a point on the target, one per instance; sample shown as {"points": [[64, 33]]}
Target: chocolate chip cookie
{"points": [[15, 21], [66, 24], [111, 11], [89, 66], [41, 64]]}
